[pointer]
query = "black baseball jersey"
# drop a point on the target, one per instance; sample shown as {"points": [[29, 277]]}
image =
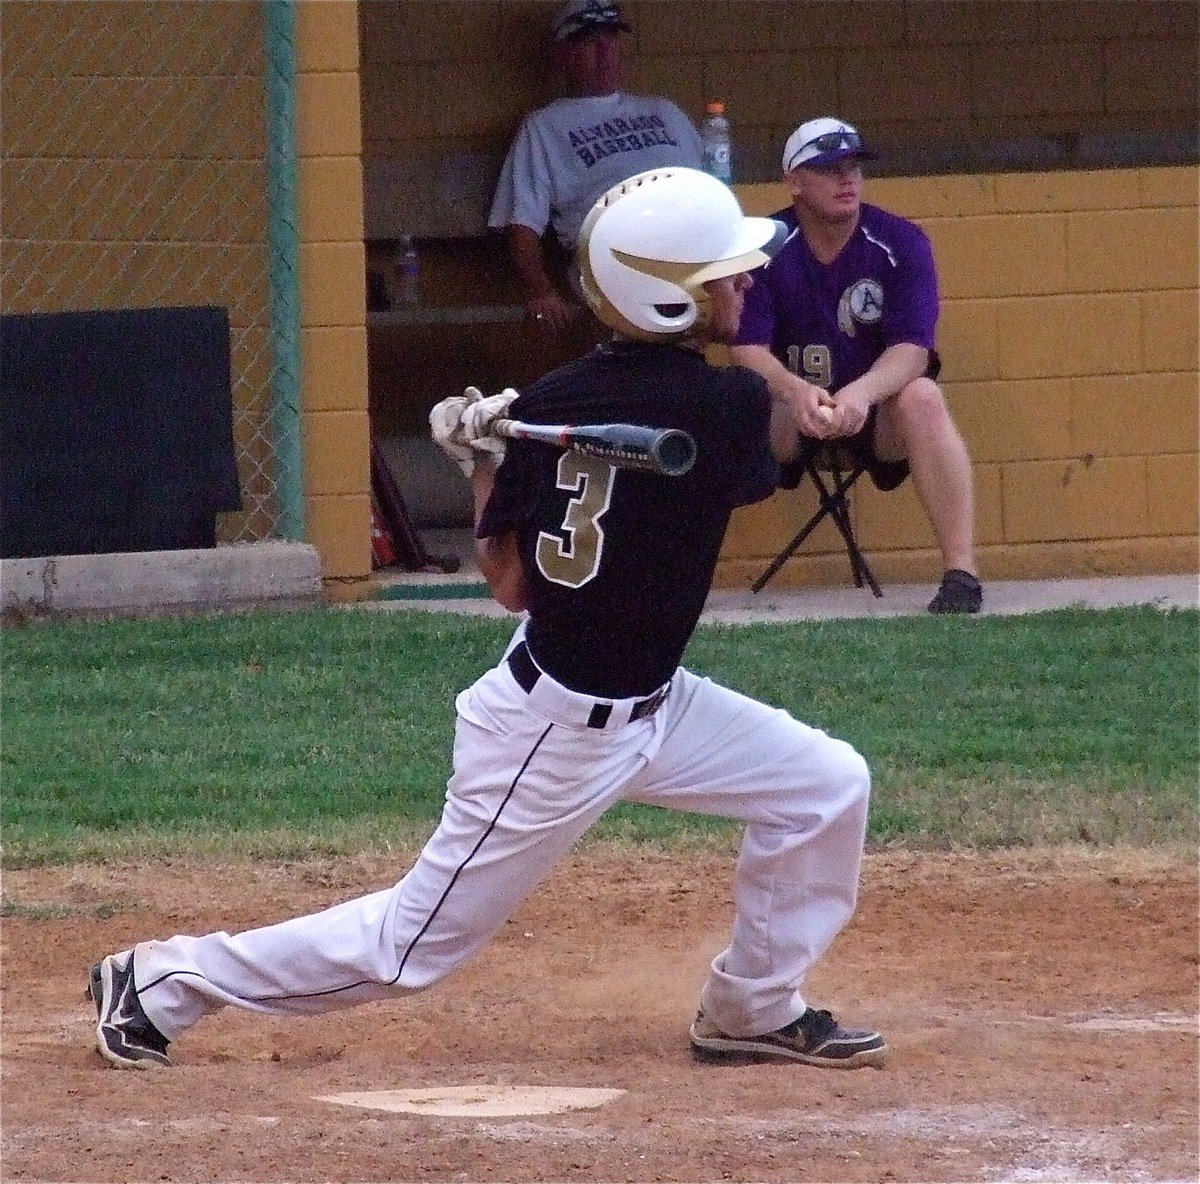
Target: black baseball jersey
{"points": [[619, 563]]}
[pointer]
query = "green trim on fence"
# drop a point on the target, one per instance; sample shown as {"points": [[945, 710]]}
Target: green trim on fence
{"points": [[284, 244]]}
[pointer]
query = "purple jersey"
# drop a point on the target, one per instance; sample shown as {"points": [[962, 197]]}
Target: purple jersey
{"points": [[829, 323]]}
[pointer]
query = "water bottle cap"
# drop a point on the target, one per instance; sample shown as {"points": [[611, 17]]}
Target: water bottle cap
{"points": [[716, 107]]}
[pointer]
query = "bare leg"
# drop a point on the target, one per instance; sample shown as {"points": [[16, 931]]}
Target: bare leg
{"points": [[915, 425]]}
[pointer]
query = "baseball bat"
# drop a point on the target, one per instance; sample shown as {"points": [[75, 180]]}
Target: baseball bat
{"points": [[669, 451]]}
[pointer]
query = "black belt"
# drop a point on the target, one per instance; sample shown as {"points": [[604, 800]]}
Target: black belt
{"points": [[526, 672]]}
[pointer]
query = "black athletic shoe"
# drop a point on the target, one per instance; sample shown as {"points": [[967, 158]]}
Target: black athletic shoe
{"points": [[816, 1038], [960, 592], [124, 1034]]}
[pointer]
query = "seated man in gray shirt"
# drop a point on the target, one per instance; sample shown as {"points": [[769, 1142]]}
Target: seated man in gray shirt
{"points": [[566, 154]]}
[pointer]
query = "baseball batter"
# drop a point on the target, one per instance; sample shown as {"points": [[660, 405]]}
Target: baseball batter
{"points": [[589, 706]]}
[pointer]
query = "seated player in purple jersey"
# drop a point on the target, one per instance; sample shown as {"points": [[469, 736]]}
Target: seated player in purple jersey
{"points": [[589, 705], [843, 318]]}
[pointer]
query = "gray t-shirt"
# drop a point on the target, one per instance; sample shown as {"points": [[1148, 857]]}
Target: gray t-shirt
{"points": [[566, 154]]}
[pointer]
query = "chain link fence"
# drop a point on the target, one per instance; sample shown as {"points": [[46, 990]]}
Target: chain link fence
{"points": [[135, 152]]}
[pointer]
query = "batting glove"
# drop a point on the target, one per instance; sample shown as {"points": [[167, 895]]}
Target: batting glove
{"points": [[446, 427], [478, 418]]}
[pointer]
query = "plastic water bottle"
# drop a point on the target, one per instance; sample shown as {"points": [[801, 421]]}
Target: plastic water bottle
{"points": [[714, 136], [408, 270]]}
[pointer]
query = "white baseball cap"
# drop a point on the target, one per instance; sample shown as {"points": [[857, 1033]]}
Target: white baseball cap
{"points": [[822, 141]]}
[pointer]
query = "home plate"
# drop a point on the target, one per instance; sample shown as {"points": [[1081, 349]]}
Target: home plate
{"points": [[1161, 1021], [478, 1101]]}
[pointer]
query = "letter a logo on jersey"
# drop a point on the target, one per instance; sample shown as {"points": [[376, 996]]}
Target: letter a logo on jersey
{"points": [[862, 302]]}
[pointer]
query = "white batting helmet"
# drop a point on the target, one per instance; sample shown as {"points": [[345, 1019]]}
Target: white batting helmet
{"points": [[648, 246]]}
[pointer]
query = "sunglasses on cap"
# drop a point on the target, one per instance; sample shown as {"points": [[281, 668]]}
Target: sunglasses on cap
{"points": [[830, 142]]}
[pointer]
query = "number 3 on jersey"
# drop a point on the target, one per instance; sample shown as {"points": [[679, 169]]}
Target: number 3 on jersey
{"points": [[573, 560]]}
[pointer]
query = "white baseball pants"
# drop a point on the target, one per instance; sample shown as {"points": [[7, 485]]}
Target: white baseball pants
{"points": [[529, 778]]}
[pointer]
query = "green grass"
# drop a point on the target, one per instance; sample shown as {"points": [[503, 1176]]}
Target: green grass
{"points": [[327, 731]]}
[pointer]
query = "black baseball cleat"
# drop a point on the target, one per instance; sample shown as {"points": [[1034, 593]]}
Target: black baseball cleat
{"points": [[816, 1038], [124, 1034], [959, 592]]}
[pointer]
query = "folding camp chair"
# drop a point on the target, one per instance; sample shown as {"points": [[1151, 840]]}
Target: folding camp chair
{"points": [[832, 470]]}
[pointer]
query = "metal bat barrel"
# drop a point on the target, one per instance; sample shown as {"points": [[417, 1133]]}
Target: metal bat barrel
{"points": [[669, 451], [676, 451]]}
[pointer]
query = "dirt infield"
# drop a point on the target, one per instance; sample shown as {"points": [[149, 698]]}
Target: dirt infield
{"points": [[1041, 1010]]}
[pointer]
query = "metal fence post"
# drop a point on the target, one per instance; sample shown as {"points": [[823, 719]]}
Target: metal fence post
{"points": [[284, 245]]}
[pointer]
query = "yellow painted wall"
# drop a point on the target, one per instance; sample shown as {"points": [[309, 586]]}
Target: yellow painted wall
{"points": [[133, 175], [134, 145], [446, 82], [1069, 345], [333, 340], [1046, 336], [1038, 320]]}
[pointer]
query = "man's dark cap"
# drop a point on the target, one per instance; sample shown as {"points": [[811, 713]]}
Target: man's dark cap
{"points": [[580, 17]]}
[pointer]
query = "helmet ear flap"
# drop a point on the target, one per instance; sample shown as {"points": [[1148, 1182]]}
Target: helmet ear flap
{"points": [[676, 322]]}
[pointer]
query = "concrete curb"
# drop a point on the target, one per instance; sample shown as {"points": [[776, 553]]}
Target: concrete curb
{"points": [[240, 575], [732, 606]]}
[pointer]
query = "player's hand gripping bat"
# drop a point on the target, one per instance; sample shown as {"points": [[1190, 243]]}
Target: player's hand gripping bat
{"points": [[626, 445]]}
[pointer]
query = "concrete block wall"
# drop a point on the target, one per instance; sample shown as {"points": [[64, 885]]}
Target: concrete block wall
{"points": [[435, 88], [1069, 341], [1052, 84], [333, 343], [446, 82], [133, 142], [85, 84]]}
